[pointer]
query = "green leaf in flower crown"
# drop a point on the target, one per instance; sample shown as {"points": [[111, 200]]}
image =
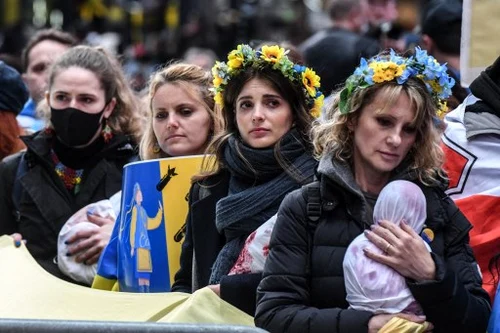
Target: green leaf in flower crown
{"points": [[344, 98]]}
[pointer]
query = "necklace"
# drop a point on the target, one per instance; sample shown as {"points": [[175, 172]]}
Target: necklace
{"points": [[70, 177]]}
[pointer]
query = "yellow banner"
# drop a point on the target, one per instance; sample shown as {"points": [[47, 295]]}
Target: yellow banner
{"points": [[480, 45], [27, 291]]}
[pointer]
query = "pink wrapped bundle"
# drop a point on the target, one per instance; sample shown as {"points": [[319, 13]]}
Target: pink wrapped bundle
{"points": [[372, 286]]}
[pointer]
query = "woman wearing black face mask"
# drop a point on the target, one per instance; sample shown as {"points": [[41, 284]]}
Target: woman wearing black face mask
{"points": [[93, 130]]}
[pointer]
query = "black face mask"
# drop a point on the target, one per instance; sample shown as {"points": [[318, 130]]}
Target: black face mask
{"points": [[74, 127]]}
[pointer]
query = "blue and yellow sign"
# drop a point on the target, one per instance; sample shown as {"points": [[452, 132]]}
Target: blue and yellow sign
{"points": [[144, 252]]}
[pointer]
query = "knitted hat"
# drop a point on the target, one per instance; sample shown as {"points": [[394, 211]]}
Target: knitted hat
{"points": [[442, 22], [493, 71], [13, 92]]}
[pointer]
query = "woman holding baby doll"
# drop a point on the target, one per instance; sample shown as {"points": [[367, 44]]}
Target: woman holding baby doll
{"points": [[76, 160], [379, 129]]}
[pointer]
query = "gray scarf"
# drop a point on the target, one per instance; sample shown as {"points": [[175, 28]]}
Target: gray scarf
{"points": [[253, 198]]}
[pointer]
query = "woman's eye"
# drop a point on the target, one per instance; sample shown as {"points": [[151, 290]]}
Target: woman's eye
{"points": [[273, 103], [161, 115], [60, 98], [186, 112], [384, 122], [245, 105], [410, 130], [87, 100]]}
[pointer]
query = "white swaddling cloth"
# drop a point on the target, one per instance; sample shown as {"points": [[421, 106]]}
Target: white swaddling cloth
{"points": [[79, 222], [372, 286]]}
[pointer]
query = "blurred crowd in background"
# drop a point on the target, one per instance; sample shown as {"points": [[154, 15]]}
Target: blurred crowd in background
{"points": [[151, 32]]}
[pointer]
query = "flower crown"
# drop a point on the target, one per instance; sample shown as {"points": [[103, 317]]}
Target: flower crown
{"points": [[276, 58], [393, 67]]}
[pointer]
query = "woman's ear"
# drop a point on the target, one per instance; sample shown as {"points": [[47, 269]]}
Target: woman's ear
{"points": [[108, 110], [47, 97]]}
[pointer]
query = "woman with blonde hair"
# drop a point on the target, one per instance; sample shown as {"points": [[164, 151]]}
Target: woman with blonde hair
{"points": [[181, 122], [78, 159], [379, 129]]}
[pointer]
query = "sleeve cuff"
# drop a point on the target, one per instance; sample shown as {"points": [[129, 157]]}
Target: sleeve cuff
{"points": [[240, 290], [434, 291]]}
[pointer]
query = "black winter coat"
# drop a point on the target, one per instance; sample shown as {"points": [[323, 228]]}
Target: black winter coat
{"points": [[202, 244], [290, 300], [45, 204]]}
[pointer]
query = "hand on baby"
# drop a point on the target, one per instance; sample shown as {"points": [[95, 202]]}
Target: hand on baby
{"points": [[398, 244], [88, 244]]}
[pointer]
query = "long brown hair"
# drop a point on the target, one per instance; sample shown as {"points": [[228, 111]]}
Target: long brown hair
{"points": [[126, 117], [292, 92]]}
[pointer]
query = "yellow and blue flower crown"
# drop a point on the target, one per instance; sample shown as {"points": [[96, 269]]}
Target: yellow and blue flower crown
{"points": [[391, 67], [275, 57]]}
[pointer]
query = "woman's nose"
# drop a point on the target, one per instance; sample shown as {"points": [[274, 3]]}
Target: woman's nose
{"points": [[172, 122], [395, 138], [258, 114]]}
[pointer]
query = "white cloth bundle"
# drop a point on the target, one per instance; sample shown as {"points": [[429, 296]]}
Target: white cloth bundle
{"points": [[79, 221], [372, 286], [254, 254]]}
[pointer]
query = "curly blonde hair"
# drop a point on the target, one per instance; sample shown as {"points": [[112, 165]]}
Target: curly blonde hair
{"points": [[126, 117], [196, 82], [333, 135]]}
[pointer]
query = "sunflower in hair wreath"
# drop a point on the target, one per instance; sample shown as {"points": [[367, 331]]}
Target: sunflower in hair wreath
{"points": [[275, 57], [392, 67]]}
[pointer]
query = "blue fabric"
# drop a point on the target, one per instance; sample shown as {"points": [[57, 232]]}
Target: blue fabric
{"points": [[108, 262], [494, 325], [27, 118], [29, 109]]}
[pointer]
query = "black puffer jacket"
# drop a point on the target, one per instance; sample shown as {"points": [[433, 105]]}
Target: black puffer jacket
{"points": [[289, 300], [44, 203]]}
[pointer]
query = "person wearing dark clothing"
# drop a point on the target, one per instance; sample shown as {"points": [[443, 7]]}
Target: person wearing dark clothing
{"points": [[40, 52], [45, 203], [335, 52], [263, 153], [75, 161], [472, 142], [379, 129], [13, 95], [441, 35]]}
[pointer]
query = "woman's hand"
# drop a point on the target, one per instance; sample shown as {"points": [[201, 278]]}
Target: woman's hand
{"points": [[404, 250], [18, 238], [378, 321], [215, 288], [90, 243]]}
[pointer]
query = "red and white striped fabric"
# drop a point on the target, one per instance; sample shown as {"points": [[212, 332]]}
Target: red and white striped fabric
{"points": [[473, 166]]}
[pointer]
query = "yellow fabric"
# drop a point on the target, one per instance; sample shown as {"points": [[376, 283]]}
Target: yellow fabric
{"points": [[400, 325], [27, 291], [133, 223], [144, 261], [204, 306], [105, 284]]}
